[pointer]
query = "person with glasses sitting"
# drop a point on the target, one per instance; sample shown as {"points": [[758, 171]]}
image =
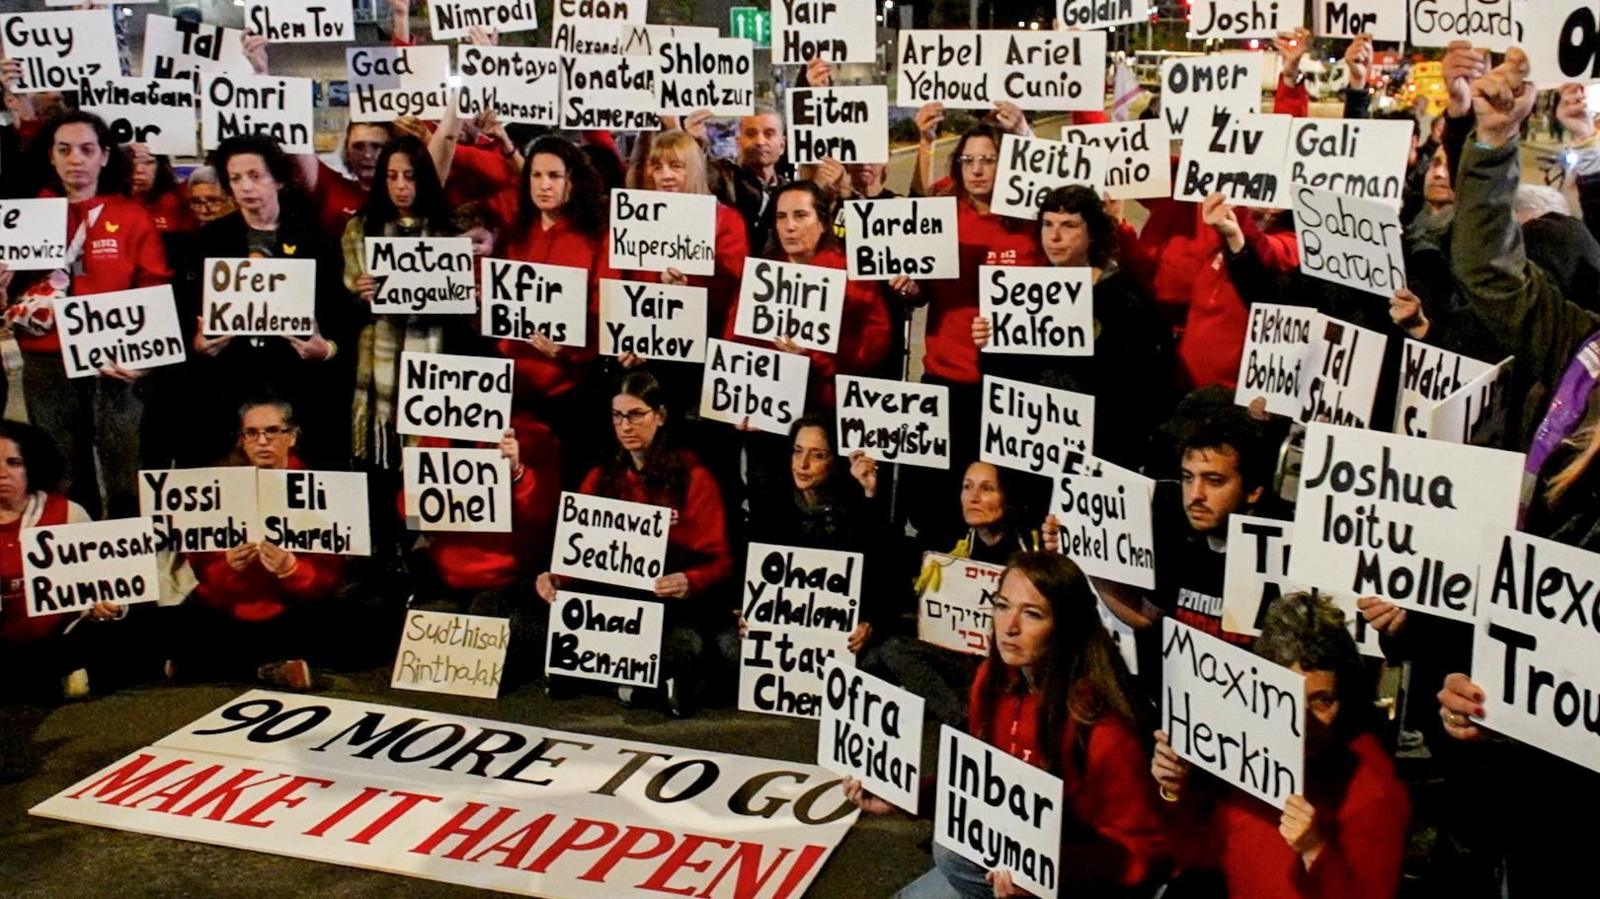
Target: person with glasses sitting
{"points": [[255, 605]]}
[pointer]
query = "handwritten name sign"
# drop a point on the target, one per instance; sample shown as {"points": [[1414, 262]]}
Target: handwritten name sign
{"points": [[259, 298], [1273, 364], [299, 22], [454, 397], [1364, 159], [766, 388], [610, 92], [456, 489], [885, 239], [70, 567], [231, 105], [803, 30], [1031, 167], [1032, 428], [1385, 20], [713, 73], [179, 48], [1037, 310], [1342, 372], [789, 301], [1256, 574], [1037, 70], [461, 655], [1105, 519], [33, 234], [1477, 413], [132, 329], [894, 421], [314, 511], [1238, 19], [453, 19], [1428, 374], [522, 299], [160, 113], [522, 85], [654, 230], [1490, 24], [800, 606], [1196, 87], [58, 50], [1101, 13], [872, 730], [1238, 156], [653, 321], [611, 541], [956, 610], [422, 275], [1138, 165], [1349, 241], [602, 638], [389, 82], [997, 810], [846, 124], [199, 509]]}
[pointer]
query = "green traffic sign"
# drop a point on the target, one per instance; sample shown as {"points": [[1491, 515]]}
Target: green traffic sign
{"points": [[753, 23]]}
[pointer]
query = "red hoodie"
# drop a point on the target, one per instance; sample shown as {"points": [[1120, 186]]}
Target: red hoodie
{"points": [[864, 334], [722, 288], [16, 628], [697, 543], [986, 239], [169, 212], [538, 375], [336, 200], [1214, 330]]}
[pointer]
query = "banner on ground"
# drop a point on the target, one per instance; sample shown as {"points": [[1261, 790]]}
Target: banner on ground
{"points": [[790, 301], [653, 321], [604, 638], [259, 298], [656, 230], [998, 811], [131, 329], [524, 299], [956, 608], [749, 384], [161, 113], [800, 607], [894, 421], [70, 567], [448, 488], [1032, 428], [314, 511], [885, 239], [461, 655], [872, 730], [280, 108], [611, 541], [1031, 167], [198, 510]]}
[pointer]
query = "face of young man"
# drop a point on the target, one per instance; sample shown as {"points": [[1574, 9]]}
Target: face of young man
{"points": [[1214, 488]]}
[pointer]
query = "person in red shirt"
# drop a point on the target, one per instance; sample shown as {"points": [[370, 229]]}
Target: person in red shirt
{"points": [[1345, 834], [154, 184], [1054, 693]]}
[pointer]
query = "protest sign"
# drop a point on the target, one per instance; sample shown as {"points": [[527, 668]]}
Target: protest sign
{"points": [[789, 301], [132, 329], [1349, 241], [1341, 373], [1230, 712], [1105, 519], [1476, 413], [633, 11], [457, 489], [1536, 642], [313, 511], [33, 234], [70, 567], [1122, 633], [894, 421], [1428, 374], [1274, 358], [1238, 156], [611, 541], [766, 388], [998, 811], [422, 275], [803, 30], [654, 230], [712, 73], [603, 638], [1256, 572], [461, 655], [1360, 158], [1033, 428], [1043, 70], [955, 610], [56, 51], [160, 113], [589, 37], [1031, 167], [1385, 20], [396, 789], [609, 92], [1239, 19], [455, 19], [1563, 42], [1037, 310], [845, 124], [1489, 24], [454, 397], [1101, 13], [99, 2], [522, 85], [280, 108], [522, 299], [259, 298], [1138, 163], [299, 22], [885, 239], [1382, 515], [180, 48], [800, 606], [389, 82], [647, 39], [653, 321], [195, 510], [872, 730], [1195, 87]]}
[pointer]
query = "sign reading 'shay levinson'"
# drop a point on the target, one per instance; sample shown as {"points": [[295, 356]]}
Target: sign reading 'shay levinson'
{"points": [[1101, 13], [1031, 167], [1490, 24], [454, 397], [160, 113], [1036, 70], [1195, 87], [1341, 374], [800, 607], [955, 610], [846, 124], [603, 638], [299, 22], [1274, 358], [766, 388], [389, 82], [1476, 413], [132, 329], [654, 230], [1429, 374], [1232, 713], [1382, 515], [872, 730], [462, 655], [522, 85], [894, 421], [1256, 572], [1037, 311], [200, 509], [653, 321], [998, 811], [1536, 641], [885, 239], [1138, 161], [33, 234], [1105, 519], [422, 275], [1354, 158], [231, 105], [474, 802], [313, 511], [789, 301], [1385, 20], [56, 51], [179, 48], [452, 19], [259, 298], [609, 92], [1349, 241], [713, 73], [1238, 156], [803, 30], [611, 541], [457, 489], [524, 299], [1238, 19], [1033, 428], [70, 567]]}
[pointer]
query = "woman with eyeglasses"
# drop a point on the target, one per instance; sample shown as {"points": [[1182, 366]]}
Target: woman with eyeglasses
{"points": [[207, 200], [647, 467]]}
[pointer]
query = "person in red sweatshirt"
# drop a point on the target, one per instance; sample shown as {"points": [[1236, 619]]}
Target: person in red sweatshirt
{"points": [[648, 468], [1054, 693], [1345, 834], [155, 185], [255, 605], [111, 245]]}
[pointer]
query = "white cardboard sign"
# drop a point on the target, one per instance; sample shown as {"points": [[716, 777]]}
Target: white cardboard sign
{"points": [[454, 397], [450, 488], [845, 124], [1238, 156], [1490, 24], [654, 230], [1276, 346], [175, 48], [1032, 428], [259, 298], [838, 32], [872, 730], [885, 239], [200, 509], [1428, 374], [1193, 87], [1349, 241], [454, 19], [521, 84], [1240, 19], [1101, 13], [314, 511], [611, 541], [1037, 310], [256, 104], [58, 50], [33, 234], [1138, 156], [1476, 413], [765, 387], [789, 301], [1562, 41], [998, 811], [70, 567], [1105, 519], [653, 321], [1036, 70], [609, 92], [1341, 373], [800, 606], [523, 299], [956, 611], [1031, 167], [387, 83], [1385, 20], [894, 421], [460, 655], [423, 275], [714, 73], [161, 113], [299, 22], [603, 638], [1355, 158], [133, 329]]}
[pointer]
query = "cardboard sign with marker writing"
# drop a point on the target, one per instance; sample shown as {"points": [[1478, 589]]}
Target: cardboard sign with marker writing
{"points": [[1031, 428], [161, 113], [299, 22], [132, 329], [803, 30], [522, 299], [1489, 24], [1040, 70], [1101, 13], [1477, 412], [1238, 156], [314, 511], [259, 298], [1106, 525], [872, 730], [1194, 87], [885, 239], [56, 51], [460, 655], [1349, 241], [175, 48], [603, 638], [390, 82], [422, 275], [33, 234], [846, 124], [1037, 310], [991, 806], [656, 230], [454, 397], [653, 321], [200, 509], [1138, 161], [1385, 20], [280, 108], [1341, 373], [610, 92], [1031, 167], [70, 567], [894, 421], [1240, 19], [743, 383], [457, 489], [800, 607], [1563, 42], [521, 84], [1256, 573], [955, 609], [1273, 364], [713, 73], [589, 37], [611, 541], [1428, 374], [634, 11], [790, 301], [454, 19], [1360, 159]]}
